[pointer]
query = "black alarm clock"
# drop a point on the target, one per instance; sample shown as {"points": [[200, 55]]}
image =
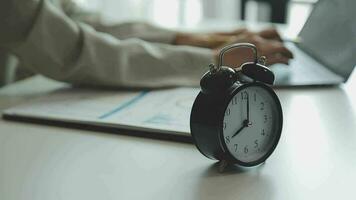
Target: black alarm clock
{"points": [[237, 117]]}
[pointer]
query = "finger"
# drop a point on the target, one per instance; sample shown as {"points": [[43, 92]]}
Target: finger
{"points": [[277, 48], [277, 58], [270, 33]]}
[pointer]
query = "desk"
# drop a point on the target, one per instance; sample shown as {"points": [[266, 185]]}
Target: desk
{"points": [[315, 159]]}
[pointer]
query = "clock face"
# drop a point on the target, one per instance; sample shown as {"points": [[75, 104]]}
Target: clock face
{"points": [[252, 124]]}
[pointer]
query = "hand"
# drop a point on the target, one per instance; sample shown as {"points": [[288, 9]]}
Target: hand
{"points": [[244, 125], [207, 40], [273, 49], [269, 33], [268, 43]]}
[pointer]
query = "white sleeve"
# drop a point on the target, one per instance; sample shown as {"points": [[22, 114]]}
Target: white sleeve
{"points": [[64, 50], [134, 29], [140, 30]]}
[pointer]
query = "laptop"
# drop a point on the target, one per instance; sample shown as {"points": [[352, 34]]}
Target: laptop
{"points": [[325, 53]]}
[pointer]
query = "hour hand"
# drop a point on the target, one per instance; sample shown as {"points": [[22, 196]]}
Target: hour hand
{"points": [[244, 125]]}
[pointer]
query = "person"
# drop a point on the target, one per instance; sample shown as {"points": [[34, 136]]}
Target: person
{"points": [[48, 41]]}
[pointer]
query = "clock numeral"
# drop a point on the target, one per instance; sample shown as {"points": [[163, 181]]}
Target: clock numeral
{"points": [[227, 112], [227, 139], [256, 144], [235, 145], [224, 126], [265, 118], [262, 106], [244, 95], [246, 149], [254, 97], [263, 132], [234, 101]]}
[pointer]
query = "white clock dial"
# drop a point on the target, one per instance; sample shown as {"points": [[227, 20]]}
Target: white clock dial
{"points": [[250, 126]]}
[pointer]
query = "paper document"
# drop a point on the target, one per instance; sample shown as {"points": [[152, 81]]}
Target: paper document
{"points": [[161, 111]]}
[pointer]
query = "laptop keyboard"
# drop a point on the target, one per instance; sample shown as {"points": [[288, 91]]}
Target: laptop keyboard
{"points": [[303, 70]]}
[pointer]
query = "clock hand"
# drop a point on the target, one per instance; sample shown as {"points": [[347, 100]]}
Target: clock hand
{"points": [[248, 107], [245, 124]]}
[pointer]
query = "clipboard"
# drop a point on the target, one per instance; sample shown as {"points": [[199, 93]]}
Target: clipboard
{"points": [[159, 114]]}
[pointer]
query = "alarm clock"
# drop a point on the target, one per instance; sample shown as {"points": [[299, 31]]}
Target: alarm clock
{"points": [[237, 117]]}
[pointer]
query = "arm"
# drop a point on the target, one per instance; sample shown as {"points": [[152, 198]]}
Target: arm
{"points": [[61, 49], [136, 29], [141, 30]]}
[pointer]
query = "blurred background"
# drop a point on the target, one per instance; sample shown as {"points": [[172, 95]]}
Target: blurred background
{"points": [[180, 14], [190, 13]]}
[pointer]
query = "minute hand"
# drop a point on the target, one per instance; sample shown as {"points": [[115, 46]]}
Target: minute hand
{"points": [[248, 107]]}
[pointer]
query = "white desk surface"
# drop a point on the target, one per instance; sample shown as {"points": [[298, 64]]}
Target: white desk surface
{"points": [[315, 159]]}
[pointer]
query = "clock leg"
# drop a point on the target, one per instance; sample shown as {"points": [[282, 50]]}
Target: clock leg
{"points": [[222, 165]]}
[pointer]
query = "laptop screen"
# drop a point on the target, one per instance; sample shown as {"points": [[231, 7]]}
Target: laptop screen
{"points": [[329, 35]]}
